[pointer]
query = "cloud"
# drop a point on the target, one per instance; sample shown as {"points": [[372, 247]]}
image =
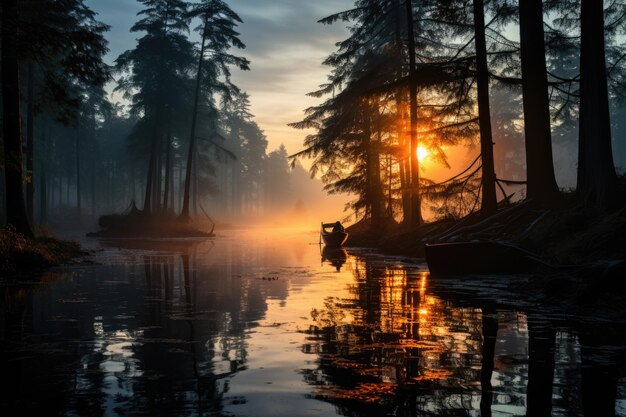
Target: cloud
{"points": [[284, 42], [286, 45]]}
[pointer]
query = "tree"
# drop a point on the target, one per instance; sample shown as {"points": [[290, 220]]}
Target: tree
{"points": [[597, 184], [95, 105], [489, 202], [541, 182], [355, 124], [278, 190], [16, 215], [62, 45], [250, 145], [154, 76], [416, 205], [218, 36]]}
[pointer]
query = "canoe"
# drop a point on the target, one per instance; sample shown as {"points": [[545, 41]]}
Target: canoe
{"points": [[481, 258], [333, 239]]}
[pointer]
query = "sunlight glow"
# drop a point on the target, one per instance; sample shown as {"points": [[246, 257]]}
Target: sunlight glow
{"points": [[421, 153]]}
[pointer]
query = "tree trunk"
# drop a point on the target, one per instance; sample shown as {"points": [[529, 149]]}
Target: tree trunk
{"points": [[400, 98], [168, 163], [597, 181], [78, 173], [416, 204], [376, 195], [541, 186], [390, 211], [43, 197], [94, 165], [237, 188], [147, 206], [68, 173], [16, 215], [192, 137], [489, 202], [30, 180], [194, 204], [158, 176]]}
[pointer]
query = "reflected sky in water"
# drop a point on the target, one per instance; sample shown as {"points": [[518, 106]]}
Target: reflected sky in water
{"points": [[264, 323]]}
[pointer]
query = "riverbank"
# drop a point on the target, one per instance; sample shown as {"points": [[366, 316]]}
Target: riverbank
{"points": [[19, 254], [566, 234]]}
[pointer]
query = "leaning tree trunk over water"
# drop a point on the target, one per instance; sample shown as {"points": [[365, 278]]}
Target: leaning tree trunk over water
{"points": [[597, 184], [489, 202], [416, 203], [192, 137], [16, 215], [542, 186]]}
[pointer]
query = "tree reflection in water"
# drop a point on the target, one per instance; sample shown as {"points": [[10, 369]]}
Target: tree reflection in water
{"points": [[156, 341], [410, 352], [188, 329]]}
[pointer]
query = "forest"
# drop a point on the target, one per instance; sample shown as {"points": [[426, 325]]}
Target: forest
{"points": [[166, 249], [163, 128], [164, 142]]}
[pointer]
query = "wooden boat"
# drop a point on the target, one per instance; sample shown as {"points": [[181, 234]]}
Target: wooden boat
{"points": [[481, 258], [332, 239]]}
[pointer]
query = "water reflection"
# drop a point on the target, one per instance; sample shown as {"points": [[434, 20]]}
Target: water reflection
{"points": [[158, 335], [415, 351], [337, 257], [249, 326]]}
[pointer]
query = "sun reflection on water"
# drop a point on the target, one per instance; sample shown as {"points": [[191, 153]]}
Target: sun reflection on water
{"points": [[251, 325]]}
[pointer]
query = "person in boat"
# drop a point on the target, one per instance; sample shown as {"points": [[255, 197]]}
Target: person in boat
{"points": [[338, 227]]}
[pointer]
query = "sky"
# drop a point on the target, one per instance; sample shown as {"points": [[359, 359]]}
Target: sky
{"points": [[285, 45]]}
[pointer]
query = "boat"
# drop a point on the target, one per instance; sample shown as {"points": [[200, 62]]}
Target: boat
{"points": [[481, 258], [331, 238]]}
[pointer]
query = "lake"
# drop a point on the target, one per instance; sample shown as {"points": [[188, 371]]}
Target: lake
{"points": [[266, 323]]}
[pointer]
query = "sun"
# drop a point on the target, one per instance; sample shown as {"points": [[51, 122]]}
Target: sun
{"points": [[421, 153]]}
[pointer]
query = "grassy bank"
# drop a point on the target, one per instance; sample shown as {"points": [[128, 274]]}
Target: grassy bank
{"points": [[19, 254]]}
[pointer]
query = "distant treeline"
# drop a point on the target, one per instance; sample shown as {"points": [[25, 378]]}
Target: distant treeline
{"points": [[182, 141], [514, 79]]}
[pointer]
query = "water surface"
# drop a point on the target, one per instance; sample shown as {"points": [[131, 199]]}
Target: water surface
{"points": [[263, 323]]}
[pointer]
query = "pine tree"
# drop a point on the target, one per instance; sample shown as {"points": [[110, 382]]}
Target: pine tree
{"points": [[597, 180], [250, 146], [61, 44], [155, 77], [541, 182], [217, 30], [16, 215]]}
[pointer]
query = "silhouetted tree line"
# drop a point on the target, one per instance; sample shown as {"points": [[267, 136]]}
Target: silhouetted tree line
{"points": [[425, 74], [183, 134]]}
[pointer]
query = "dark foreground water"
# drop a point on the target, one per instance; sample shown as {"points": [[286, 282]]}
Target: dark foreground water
{"points": [[263, 324]]}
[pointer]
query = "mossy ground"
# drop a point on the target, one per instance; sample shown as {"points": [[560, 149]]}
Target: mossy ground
{"points": [[20, 254]]}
